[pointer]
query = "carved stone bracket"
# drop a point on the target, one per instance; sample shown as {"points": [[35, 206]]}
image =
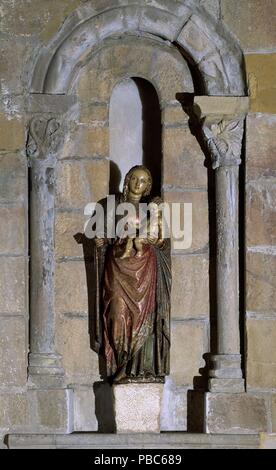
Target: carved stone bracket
{"points": [[44, 137]]}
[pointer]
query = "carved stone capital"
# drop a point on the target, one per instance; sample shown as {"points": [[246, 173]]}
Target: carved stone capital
{"points": [[224, 141], [44, 137], [222, 121]]}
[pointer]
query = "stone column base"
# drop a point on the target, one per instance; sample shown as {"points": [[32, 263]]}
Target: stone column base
{"points": [[235, 413], [226, 385], [226, 374], [45, 371], [137, 407]]}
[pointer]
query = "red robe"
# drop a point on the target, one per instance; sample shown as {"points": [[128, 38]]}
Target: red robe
{"points": [[129, 306]]}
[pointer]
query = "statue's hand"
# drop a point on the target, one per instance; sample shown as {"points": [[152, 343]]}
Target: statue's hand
{"points": [[99, 242], [151, 240]]}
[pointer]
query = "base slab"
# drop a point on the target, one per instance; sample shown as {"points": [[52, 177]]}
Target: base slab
{"points": [[227, 413], [173, 440]]}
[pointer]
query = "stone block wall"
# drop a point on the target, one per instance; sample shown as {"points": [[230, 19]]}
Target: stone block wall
{"points": [[84, 155], [253, 23]]}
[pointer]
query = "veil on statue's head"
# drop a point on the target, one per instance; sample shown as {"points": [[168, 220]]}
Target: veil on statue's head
{"points": [[127, 180]]}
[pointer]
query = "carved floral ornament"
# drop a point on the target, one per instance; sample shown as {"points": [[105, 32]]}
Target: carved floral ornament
{"points": [[224, 141], [44, 137]]}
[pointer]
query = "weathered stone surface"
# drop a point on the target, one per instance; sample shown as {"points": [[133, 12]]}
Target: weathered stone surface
{"points": [[79, 361], [13, 285], [12, 134], [235, 414], [274, 413], [71, 287], [190, 286], [218, 106], [171, 74], [94, 114], [212, 6], [183, 159], [13, 55], [132, 57], [94, 82], [174, 408], [68, 224], [84, 410], [261, 354], [137, 407], [52, 411], [261, 214], [174, 115], [170, 440], [56, 104], [261, 146], [198, 45], [13, 229], [268, 441], [18, 17], [252, 22], [226, 385], [261, 70], [86, 142], [155, 20], [188, 344], [13, 178], [261, 280], [199, 201], [128, 55], [13, 371], [81, 182], [13, 411], [3, 445]]}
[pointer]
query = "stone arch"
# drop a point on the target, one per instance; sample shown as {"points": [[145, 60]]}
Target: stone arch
{"points": [[210, 47]]}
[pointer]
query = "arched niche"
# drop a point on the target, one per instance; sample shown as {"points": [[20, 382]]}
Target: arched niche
{"points": [[210, 47], [82, 175], [135, 132]]}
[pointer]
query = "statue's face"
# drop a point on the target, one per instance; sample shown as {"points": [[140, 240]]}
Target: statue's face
{"points": [[138, 182]]}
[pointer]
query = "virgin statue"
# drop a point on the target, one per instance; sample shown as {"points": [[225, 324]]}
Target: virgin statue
{"points": [[132, 295]]}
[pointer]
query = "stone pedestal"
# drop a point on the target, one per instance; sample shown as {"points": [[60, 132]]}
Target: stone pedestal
{"points": [[137, 407], [52, 411], [2, 444], [235, 413]]}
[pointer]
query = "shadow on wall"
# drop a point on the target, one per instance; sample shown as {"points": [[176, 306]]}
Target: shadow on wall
{"points": [[104, 407], [152, 132], [115, 178]]}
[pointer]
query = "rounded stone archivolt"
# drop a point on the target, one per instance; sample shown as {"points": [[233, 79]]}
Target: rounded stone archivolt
{"points": [[214, 51], [153, 60]]}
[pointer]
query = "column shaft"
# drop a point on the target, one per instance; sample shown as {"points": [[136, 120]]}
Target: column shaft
{"points": [[44, 364], [228, 338]]}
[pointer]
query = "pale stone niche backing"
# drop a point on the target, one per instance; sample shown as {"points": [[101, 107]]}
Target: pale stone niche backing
{"points": [[72, 87], [135, 131]]}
